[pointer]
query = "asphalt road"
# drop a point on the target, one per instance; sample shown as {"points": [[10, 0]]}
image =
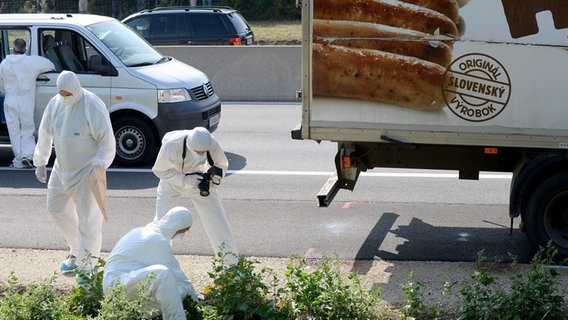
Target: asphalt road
{"points": [[270, 198]]}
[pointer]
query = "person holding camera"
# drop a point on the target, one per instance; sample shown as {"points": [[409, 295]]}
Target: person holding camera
{"points": [[192, 163]]}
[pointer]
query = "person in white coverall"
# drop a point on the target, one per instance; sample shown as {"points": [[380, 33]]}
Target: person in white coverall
{"points": [[146, 252], [18, 73], [77, 122], [184, 153]]}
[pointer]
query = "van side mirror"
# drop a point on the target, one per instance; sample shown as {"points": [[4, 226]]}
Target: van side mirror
{"points": [[101, 66]]}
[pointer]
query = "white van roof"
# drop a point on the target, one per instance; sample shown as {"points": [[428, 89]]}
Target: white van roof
{"points": [[52, 19]]}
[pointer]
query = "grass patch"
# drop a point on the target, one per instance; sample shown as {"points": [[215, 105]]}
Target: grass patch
{"points": [[277, 32]]}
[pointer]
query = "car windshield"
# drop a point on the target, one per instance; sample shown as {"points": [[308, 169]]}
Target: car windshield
{"points": [[126, 44]]}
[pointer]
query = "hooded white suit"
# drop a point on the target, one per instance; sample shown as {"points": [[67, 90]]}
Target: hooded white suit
{"points": [[18, 73], [82, 135], [171, 167], [147, 251]]}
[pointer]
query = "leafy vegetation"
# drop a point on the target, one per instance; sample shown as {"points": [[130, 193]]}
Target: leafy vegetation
{"points": [[35, 301], [309, 290], [533, 294], [85, 300], [257, 10], [322, 293]]}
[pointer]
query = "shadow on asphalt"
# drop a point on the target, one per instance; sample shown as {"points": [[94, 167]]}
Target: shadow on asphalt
{"points": [[425, 242]]}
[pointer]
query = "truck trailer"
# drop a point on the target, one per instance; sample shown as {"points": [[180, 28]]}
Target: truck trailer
{"points": [[466, 85]]}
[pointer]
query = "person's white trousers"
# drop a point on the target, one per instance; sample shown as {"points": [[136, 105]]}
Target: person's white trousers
{"points": [[78, 217], [210, 211], [163, 288], [19, 112]]}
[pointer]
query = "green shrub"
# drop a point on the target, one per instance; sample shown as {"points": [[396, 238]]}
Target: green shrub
{"points": [[85, 300], [240, 290], [117, 305], [253, 10], [416, 308], [35, 301], [259, 10], [532, 295], [322, 292]]}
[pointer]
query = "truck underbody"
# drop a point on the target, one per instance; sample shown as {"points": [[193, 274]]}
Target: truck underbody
{"points": [[539, 187]]}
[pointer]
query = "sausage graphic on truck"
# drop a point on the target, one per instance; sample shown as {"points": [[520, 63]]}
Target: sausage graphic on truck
{"points": [[467, 85]]}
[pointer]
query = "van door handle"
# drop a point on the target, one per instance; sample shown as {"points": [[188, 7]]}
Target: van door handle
{"points": [[42, 78]]}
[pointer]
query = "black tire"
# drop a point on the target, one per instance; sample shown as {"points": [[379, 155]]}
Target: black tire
{"points": [[546, 216], [136, 142]]}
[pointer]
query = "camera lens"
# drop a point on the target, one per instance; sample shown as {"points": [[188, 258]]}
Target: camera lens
{"points": [[204, 186]]}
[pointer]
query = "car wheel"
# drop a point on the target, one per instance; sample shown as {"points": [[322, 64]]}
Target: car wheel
{"points": [[546, 217], [136, 142]]}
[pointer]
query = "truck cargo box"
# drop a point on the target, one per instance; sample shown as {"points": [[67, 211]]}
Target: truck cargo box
{"points": [[480, 72]]}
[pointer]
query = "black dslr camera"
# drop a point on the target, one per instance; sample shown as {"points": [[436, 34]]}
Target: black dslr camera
{"points": [[212, 175]]}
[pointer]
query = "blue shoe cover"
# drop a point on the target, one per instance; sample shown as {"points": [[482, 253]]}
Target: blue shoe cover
{"points": [[65, 268]]}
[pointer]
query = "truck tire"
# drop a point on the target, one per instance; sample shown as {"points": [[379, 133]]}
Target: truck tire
{"points": [[136, 142], [546, 216]]}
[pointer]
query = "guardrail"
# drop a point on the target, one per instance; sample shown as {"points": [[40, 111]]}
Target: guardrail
{"points": [[246, 73]]}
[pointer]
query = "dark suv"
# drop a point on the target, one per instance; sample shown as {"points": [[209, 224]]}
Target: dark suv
{"points": [[192, 25]]}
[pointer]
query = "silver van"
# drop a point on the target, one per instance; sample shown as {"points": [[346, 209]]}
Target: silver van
{"points": [[147, 94]]}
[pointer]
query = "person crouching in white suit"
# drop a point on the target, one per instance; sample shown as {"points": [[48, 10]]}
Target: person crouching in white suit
{"points": [[78, 124], [145, 254]]}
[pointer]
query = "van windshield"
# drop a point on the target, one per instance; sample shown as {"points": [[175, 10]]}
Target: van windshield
{"points": [[126, 44]]}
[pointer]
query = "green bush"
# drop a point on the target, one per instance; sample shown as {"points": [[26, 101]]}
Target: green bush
{"points": [[85, 300], [240, 291], [416, 308], [253, 10], [532, 295], [322, 292], [36, 301], [262, 10], [117, 305]]}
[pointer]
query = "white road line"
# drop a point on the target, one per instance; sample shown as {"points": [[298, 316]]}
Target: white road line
{"points": [[320, 173], [366, 174]]}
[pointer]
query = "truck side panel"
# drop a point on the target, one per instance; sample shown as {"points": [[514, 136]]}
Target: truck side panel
{"points": [[502, 82]]}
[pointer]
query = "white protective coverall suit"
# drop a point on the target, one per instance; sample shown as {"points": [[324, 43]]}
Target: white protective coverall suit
{"points": [[81, 132], [18, 73], [147, 251], [171, 167]]}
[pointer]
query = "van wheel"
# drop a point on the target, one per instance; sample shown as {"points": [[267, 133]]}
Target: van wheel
{"points": [[546, 217], [136, 142]]}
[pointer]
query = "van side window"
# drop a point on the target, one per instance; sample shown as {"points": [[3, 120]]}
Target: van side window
{"points": [[69, 51], [7, 37]]}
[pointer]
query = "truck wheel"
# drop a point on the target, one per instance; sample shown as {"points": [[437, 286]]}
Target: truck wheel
{"points": [[136, 142], [546, 217]]}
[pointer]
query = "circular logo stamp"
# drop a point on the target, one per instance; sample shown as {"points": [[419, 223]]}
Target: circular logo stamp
{"points": [[476, 87]]}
